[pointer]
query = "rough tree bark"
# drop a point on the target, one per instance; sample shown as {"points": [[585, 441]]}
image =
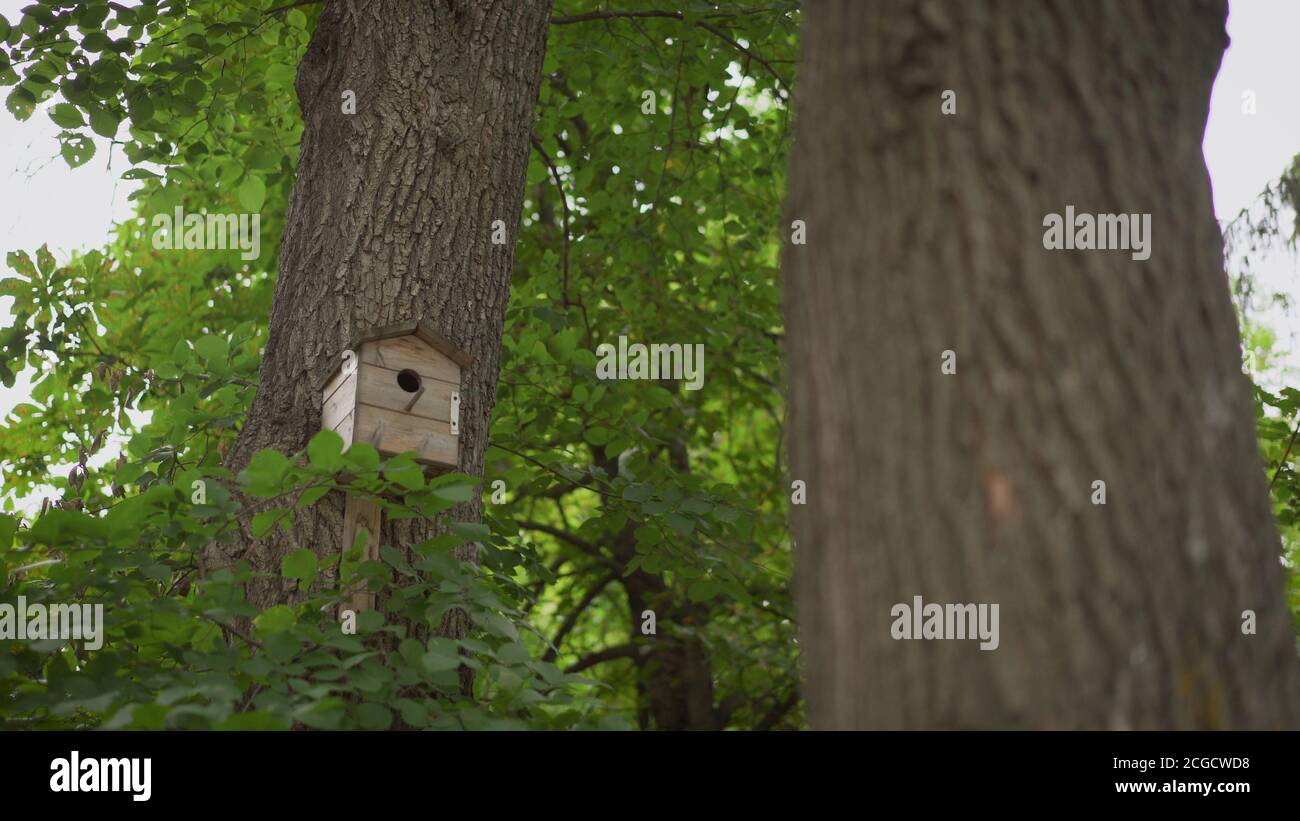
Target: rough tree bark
{"points": [[391, 219], [925, 234]]}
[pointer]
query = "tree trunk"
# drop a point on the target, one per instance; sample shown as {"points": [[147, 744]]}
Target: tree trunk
{"points": [[391, 219], [674, 669], [925, 234]]}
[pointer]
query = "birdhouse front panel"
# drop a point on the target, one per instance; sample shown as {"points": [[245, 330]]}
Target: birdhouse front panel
{"points": [[403, 394]]}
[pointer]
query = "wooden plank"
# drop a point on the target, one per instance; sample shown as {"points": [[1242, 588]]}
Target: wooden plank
{"points": [[344, 369], [443, 344], [379, 388], [404, 352], [399, 432], [332, 381], [340, 403], [358, 515], [420, 330], [344, 429]]}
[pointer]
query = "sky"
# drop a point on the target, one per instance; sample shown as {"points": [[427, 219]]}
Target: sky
{"points": [[1245, 152], [44, 201]]}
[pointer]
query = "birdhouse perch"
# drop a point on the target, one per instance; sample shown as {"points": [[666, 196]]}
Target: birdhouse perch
{"points": [[399, 392]]}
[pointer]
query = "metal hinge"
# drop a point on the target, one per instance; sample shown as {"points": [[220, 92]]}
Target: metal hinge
{"points": [[455, 413]]}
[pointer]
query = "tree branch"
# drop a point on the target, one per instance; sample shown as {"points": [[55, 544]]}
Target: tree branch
{"points": [[717, 32], [564, 208], [1281, 464], [611, 15], [620, 651], [235, 631], [571, 620], [288, 6], [677, 15], [562, 535]]}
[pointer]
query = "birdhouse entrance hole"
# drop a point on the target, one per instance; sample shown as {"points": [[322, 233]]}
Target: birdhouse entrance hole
{"points": [[408, 380]]}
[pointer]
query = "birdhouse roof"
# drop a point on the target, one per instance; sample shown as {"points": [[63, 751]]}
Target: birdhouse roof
{"points": [[418, 329]]}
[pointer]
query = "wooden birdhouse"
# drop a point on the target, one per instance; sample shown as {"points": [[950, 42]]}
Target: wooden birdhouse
{"points": [[399, 392]]}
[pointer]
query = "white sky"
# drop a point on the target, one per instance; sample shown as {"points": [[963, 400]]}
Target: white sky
{"points": [[43, 201], [1246, 152]]}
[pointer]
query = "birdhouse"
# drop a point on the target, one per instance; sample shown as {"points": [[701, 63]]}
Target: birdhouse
{"points": [[400, 391]]}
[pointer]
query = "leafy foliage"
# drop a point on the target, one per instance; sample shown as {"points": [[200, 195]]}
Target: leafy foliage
{"points": [[1255, 231], [165, 660]]}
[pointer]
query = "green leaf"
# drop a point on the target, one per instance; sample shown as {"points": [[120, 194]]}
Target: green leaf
{"points": [[77, 151], [455, 493], [262, 157], [252, 193], [104, 122], [265, 472], [413, 712], [648, 535], [703, 590], [21, 103], [300, 564], [442, 656], [396, 560], [696, 506], [275, 620], [363, 457], [681, 524], [498, 625], [266, 520], [194, 90], [374, 716], [471, 531], [8, 527], [406, 474], [66, 115], [140, 107], [311, 496], [513, 653], [95, 41], [411, 650], [254, 720], [726, 514], [325, 451], [638, 492], [326, 714], [212, 349]]}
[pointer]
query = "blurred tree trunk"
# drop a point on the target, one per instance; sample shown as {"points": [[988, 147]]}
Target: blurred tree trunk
{"points": [[391, 219], [925, 235]]}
